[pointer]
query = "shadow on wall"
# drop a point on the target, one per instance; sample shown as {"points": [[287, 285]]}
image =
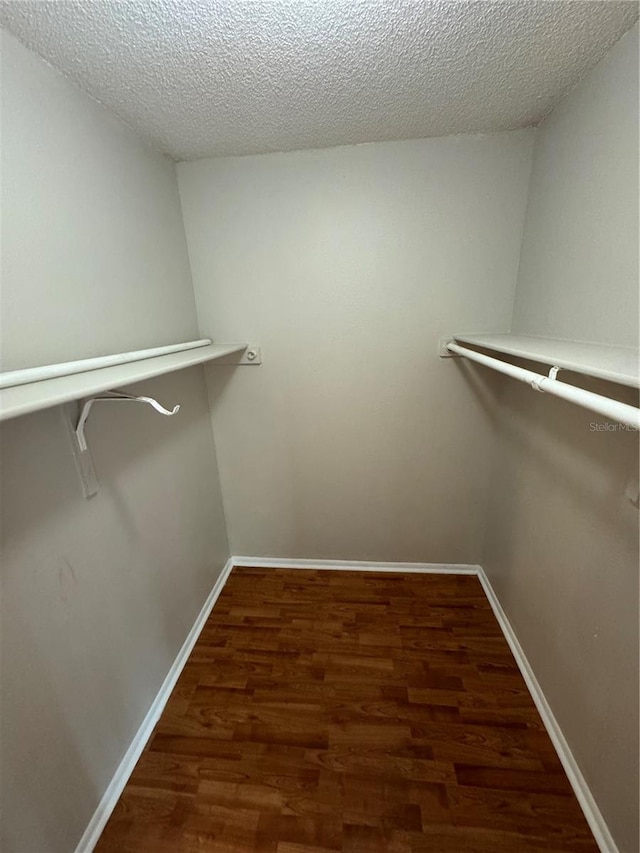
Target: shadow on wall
{"points": [[561, 551], [36, 450], [97, 595], [60, 555], [556, 438], [352, 463], [50, 750], [486, 386]]}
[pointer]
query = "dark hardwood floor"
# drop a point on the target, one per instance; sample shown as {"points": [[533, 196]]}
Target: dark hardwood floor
{"points": [[353, 711]]}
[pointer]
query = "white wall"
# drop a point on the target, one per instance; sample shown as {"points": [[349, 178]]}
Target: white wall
{"points": [[354, 440], [97, 596], [562, 539], [578, 274], [91, 227]]}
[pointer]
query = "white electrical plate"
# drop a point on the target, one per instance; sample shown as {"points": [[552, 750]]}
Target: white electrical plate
{"points": [[443, 352], [252, 355]]}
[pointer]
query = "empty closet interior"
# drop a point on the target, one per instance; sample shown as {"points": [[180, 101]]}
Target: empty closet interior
{"points": [[264, 268]]}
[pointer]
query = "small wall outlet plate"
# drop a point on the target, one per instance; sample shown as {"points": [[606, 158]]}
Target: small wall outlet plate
{"points": [[443, 352], [252, 355]]}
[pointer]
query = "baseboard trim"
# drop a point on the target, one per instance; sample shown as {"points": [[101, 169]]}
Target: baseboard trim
{"points": [[356, 565], [115, 788], [592, 813]]}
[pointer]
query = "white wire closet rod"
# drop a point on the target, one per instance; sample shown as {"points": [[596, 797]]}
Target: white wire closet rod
{"points": [[605, 406], [67, 368]]}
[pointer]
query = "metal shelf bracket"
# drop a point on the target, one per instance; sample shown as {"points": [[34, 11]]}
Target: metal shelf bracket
{"points": [[76, 426]]}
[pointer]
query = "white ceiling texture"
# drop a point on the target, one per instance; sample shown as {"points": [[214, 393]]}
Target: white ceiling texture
{"points": [[202, 78]]}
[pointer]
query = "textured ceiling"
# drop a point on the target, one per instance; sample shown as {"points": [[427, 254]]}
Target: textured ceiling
{"points": [[213, 77]]}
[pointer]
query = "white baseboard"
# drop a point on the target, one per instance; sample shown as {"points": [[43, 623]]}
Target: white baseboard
{"points": [[108, 802], [356, 565], [592, 813], [125, 768]]}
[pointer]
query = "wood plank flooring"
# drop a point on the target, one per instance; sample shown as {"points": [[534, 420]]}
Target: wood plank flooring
{"points": [[354, 711]]}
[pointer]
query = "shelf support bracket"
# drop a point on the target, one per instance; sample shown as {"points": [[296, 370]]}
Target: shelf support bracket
{"points": [[537, 384], [114, 397], [82, 458], [76, 426]]}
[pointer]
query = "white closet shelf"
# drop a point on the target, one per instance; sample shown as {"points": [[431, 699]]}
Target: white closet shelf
{"points": [[616, 364], [24, 399]]}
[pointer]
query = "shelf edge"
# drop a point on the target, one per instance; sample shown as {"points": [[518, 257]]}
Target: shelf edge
{"points": [[586, 369], [64, 389]]}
